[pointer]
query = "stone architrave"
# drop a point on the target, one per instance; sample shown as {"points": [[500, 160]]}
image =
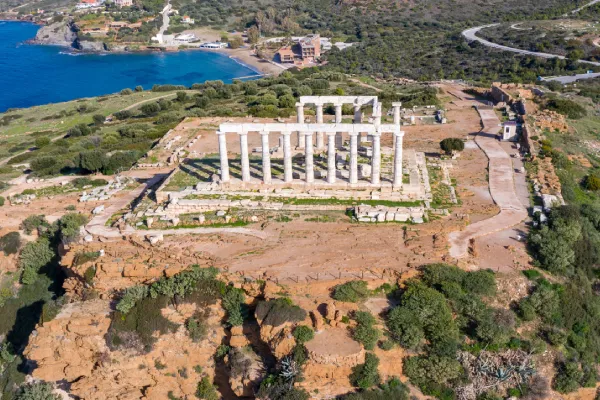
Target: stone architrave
{"points": [[223, 156], [266, 158]]}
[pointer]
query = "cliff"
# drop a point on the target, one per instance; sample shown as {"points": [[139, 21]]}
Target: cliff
{"points": [[59, 33]]}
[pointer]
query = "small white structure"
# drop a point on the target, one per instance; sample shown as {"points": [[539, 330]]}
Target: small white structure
{"points": [[213, 45], [509, 131], [188, 20], [186, 38]]}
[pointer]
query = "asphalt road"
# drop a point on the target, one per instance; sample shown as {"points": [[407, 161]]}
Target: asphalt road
{"points": [[471, 35]]}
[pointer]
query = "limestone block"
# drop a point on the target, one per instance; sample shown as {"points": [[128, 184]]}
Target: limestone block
{"points": [[149, 222], [98, 210], [390, 216], [317, 320], [221, 213], [330, 310], [381, 217], [201, 218], [175, 221]]}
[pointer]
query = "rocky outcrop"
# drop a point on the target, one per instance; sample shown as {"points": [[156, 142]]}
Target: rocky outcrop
{"points": [[59, 34], [92, 47], [72, 349], [245, 371]]}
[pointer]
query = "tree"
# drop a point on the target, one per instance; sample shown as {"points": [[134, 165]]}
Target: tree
{"points": [[253, 35], [236, 42], [366, 375], [150, 109], [450, 145], [126, 92], [365, 331], [70, 225], [34, 222], [92, 160], [121, 115], [33, 257], [405, 327], [287, 101], [351, 292], [139, 89], [99, 119], [182, 97], [202, 101], [37, 391], [431, 368], [206, 390], [592, 182], [42, 142]]}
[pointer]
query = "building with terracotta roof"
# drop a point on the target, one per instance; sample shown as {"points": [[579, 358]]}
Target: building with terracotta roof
{"points": [[286, 55]]}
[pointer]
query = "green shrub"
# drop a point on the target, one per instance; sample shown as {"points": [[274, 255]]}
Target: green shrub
{"points": [[10, 243], [33, 223], [132, 295], [126, 92], [196, 327], [279, 311], [206, 390], [135, 330], [386, 345], [365, 376], [592, 182], [34, 256], [450, 145], [424, 370], [351, 292], [303, 334], [567, 377], [532, 274], [2, 199], [37, 391], [405, 327], [567, 107], [84, 257], [365, 332], [392, 389], [233, 301]]}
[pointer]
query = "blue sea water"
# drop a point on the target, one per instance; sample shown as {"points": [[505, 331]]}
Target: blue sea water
{"points": [[34, 75]]}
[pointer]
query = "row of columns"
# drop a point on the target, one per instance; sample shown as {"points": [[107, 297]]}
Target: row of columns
{"points": [[309, 158]]}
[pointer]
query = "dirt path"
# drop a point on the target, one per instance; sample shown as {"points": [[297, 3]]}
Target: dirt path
{"points": [[365, 85], [502, 189]]}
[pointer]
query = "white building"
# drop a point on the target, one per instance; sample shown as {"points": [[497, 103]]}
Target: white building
{"points": [[213, 45], [509, 131], [186, 38], [187, 20]]}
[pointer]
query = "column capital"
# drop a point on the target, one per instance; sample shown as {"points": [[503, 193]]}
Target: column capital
{"points": [[397, 104], [354, 133], [265, 133], [221, 133], [286, 133], [399, 134], [331, 133], [300, 105], [319, 105], [307, 133], [338, 104]]}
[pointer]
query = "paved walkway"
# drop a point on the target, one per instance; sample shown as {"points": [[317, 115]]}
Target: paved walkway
{"points": [[502, 189]]}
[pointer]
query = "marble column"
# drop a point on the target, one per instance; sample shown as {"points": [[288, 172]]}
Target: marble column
{"points": [[397, 121], [331, 167], [398, 159], [223, 156], [376, 159], [266, 158], [300, 120], [309, 162], [288, 174], [338, 113], [357, 114], [244, 156], [354, 157], [320, 135], [397, 107]]}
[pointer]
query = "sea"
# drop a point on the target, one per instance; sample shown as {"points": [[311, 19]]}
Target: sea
{"points": [[34, 74]]}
